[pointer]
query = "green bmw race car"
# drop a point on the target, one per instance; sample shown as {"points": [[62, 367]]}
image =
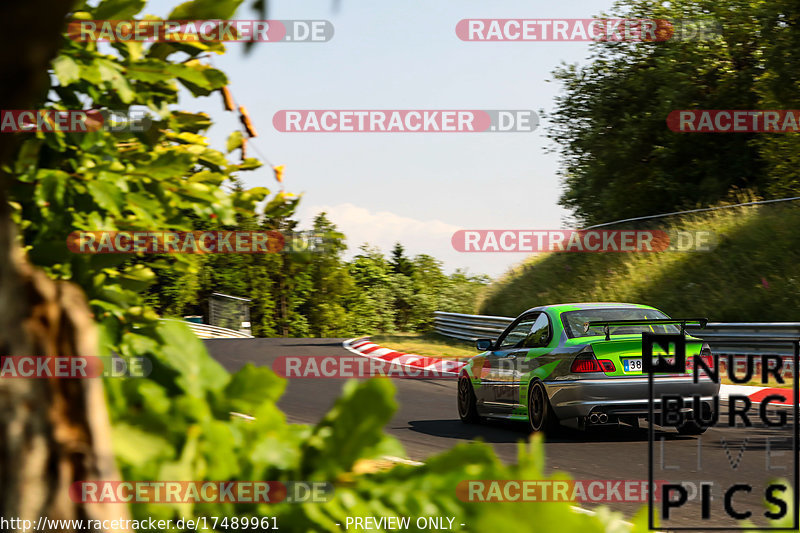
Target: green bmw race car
{"points": [[580, 365]]}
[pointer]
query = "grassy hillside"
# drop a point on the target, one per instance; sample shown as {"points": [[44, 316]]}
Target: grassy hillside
{"points": [[752, 275]]}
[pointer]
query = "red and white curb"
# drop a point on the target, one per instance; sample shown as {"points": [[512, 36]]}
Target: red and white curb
{"points": [[756, 394], [427, 365]]}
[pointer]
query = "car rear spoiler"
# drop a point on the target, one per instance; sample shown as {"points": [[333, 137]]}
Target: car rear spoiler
{"points": [[608, 323]]}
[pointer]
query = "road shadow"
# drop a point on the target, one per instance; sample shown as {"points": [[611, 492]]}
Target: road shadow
{"points": [[505, 431], [615, 434], [758, 437], [491, 432]]}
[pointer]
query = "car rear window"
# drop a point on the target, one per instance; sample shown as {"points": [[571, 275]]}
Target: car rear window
{"points": [[573, 321]]}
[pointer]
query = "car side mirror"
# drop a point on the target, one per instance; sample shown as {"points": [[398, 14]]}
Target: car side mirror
{"points": [[484, 344]]}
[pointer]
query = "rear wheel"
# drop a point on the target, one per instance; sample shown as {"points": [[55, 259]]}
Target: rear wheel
{"points": [[467, 403], [540, 412]]}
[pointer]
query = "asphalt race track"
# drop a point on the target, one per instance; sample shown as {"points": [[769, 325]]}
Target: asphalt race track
{"points": [[427, 423]]}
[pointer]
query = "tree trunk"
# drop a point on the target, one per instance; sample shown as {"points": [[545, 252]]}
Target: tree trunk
{"points": [[53, 432]]}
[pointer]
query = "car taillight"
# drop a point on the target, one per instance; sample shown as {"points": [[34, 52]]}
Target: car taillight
{"points": [[607, 365], [707, 357], [585, 362]]}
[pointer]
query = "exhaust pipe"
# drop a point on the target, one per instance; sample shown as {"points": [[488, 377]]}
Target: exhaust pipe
{"points": [[593, 418], [603, 418]]}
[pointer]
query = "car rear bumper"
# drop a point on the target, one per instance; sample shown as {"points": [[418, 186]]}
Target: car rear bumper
{"points": [[622, 396]]}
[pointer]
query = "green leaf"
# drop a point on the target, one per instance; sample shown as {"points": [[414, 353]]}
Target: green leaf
{"points": [[192, 48], [205, 9], [137, 278], [146, 209], [66, 69], [52, 186], [234, 141], [107, 195], [216, 78], [137, 447], [118, 9], [189, 138], [183, 351], [175, 163], [28, 156], [111, 72], [251, 386], [150, 71], [90, 72], [282, 205], [191, 72], [219, 448], [213, 158], [193, 122], [183, 468], [154, 398], [353, 426], [248, 199], [251, 163]]}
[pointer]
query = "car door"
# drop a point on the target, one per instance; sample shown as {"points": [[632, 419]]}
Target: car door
{"points": [[499, 393], [532, 357]]}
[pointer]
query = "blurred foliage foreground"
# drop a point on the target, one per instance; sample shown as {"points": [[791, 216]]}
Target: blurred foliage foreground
{"points": [[176, 426]]}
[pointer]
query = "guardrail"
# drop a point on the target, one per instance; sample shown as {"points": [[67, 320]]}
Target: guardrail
{"points": [[469, 327], [207, 331], [766, 337]]}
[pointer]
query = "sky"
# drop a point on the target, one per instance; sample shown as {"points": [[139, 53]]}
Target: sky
{"points": [[415, 188]]}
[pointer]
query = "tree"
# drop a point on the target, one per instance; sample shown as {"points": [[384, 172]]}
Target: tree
{"points": [[436, 291], [332, 286], [620, 160], [373, 308], [291, 283], [399, 263], [778, 87]]}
